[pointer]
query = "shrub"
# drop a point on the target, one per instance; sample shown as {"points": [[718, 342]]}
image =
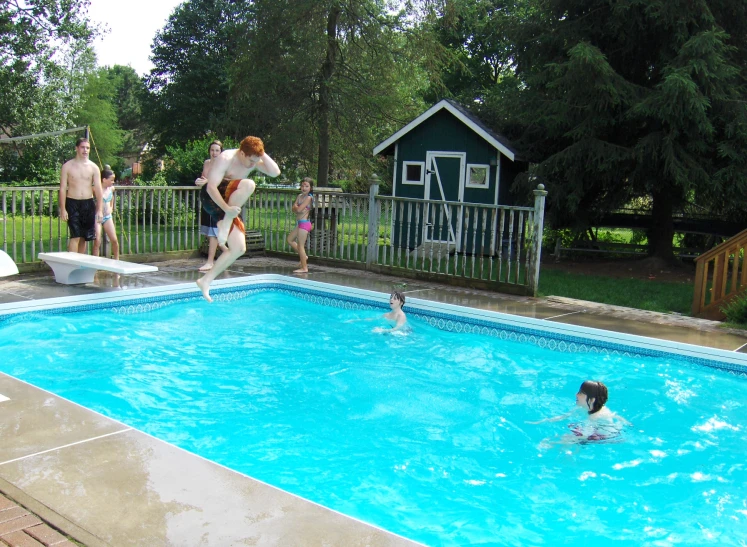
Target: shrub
{"points": [[736, 310]]}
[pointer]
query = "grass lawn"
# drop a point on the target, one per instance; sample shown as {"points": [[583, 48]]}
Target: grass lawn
{"points": [[660, 296]]}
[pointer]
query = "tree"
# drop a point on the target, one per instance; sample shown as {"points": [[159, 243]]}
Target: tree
{"points": [[188, 88], [632, 98], [33, 98], [129, 93], [98, 111], [341, 76]]}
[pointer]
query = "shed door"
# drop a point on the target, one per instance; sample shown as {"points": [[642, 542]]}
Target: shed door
{"points": [[444, 181]]}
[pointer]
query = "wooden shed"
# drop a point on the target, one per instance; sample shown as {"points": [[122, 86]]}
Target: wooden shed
{"points": [[448, 154]]}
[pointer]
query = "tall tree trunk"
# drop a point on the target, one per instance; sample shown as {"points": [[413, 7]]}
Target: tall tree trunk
{"points": [[328, 70], [661, 233]]}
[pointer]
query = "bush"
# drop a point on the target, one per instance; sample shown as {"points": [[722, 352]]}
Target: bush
{"points": [[183, 164], [736, 310]]}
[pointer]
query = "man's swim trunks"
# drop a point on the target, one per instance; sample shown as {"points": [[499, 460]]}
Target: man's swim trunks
{"points": [[81, 218], [226, 188]]}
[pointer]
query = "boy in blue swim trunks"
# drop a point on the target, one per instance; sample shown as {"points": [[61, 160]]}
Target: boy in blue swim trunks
{"points": [[80, 181]]}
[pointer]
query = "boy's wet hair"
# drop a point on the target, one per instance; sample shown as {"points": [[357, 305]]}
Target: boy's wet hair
{"points": [[399, 296], [80, 141], [220, 145], [594, 390]]}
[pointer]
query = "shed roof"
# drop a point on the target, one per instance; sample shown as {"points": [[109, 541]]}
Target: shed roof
{"points": [[465, 116]]}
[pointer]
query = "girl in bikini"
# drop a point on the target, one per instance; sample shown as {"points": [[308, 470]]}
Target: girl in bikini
{"points": [[297, 237], [107, 223]]}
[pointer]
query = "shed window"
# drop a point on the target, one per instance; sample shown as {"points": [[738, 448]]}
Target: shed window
{"points": [[478, 175], [413, 172]]}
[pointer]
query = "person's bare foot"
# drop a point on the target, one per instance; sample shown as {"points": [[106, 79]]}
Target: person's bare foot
{"points": [[299, 270], [205, 288], [224, 226], [205, 267]]}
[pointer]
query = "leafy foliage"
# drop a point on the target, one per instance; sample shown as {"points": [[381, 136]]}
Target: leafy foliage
{"points": [[736, 310], [183, 164], [36, 95], [632, 99], [188, 88]]}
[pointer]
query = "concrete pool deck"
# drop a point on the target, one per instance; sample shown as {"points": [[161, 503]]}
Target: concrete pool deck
{"points": [[104, 483]]}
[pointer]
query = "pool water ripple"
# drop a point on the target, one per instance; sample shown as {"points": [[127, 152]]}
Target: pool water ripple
{"points": [[425, 434]]}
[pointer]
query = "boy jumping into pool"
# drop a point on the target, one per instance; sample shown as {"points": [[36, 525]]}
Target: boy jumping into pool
{"points": [[226, 191]]}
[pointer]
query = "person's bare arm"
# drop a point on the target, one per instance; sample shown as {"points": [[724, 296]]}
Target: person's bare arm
{"points": [[267, 166], [215, 177], [63, 192], [401, 321], [296, 208], [203, 178], [98, 192], [554, 418]]}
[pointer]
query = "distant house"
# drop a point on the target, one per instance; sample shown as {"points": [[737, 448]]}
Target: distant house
{"points": [[448, 154]]}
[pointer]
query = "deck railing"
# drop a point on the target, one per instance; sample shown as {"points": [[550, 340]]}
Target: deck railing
{"points": [[472, 244], [148, 219], [720, 276]]}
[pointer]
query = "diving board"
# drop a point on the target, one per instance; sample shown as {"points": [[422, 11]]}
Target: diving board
{"points": [[72, 268]]}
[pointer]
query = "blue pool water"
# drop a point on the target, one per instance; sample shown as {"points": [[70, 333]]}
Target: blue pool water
{"points": [[424, 435]]}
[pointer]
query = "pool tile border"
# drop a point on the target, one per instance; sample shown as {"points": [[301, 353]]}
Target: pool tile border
{"points": [[442, 320]]}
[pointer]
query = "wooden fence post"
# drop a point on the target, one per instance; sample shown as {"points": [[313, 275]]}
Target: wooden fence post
{"points": [[372, 251], [539, 220]]}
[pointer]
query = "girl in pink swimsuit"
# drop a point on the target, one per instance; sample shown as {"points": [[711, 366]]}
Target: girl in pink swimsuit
{"points": [[299, 234]]}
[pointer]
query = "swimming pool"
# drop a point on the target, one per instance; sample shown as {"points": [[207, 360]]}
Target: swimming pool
{"points": [[435, 448]]}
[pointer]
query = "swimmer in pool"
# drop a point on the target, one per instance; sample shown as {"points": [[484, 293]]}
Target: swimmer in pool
{"points": [[601, 423], [396, 317]]}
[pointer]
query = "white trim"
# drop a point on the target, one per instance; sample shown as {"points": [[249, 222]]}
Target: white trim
{"points": [[497, 179], [467, 183], [461, 117], [420, 182], [394, 172], [430, 160]]}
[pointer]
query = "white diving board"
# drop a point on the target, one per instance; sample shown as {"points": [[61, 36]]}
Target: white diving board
{"points": [[72, 268]]}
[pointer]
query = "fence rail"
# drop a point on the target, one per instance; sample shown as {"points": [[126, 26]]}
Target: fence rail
{"points": [[468, 243]]}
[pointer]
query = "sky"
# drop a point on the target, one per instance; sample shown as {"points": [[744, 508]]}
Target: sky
{"points": [[132, 26]]}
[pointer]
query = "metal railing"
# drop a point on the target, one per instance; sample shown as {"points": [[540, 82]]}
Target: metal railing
{"points": [[472, 244]]}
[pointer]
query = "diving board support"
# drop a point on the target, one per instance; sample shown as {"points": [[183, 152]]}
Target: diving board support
{"points": [[74, 268], [7, 266]]}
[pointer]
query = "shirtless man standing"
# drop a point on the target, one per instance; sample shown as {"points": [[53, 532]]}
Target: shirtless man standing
{"points": [[226, 191], [80, 180]]}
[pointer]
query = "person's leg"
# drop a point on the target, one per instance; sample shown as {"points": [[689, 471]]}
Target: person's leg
{"points": [[236, 247], [111, 233], [73, 244], [97, 241], [212, 248], [237, 199], [302, 235], [82, 246], [292, 237]]}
